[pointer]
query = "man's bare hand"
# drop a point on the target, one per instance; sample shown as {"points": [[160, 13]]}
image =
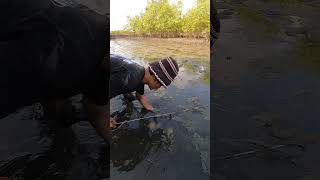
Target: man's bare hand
{"points": [[144, 102], [113, 123], [148, 107], [98, 117]]}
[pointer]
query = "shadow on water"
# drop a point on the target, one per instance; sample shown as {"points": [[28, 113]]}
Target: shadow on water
{"points": [[145, 138], [164, 148], [153, 148]]}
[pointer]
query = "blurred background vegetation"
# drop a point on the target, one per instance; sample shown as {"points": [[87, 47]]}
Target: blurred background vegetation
{"points": [[163, 19]]}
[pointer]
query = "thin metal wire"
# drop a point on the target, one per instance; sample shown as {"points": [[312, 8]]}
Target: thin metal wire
{"points": [[160, 115], [132, 120]]}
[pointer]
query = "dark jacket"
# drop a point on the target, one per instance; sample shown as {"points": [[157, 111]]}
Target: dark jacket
{"points": [[125, 77], [214, 21], [50, 50]]}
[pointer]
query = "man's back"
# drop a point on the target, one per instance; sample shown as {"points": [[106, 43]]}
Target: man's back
{"points": [[126, 76], [48, 51]]}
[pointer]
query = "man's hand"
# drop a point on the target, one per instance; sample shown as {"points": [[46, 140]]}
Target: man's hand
{"points": [[144, 102], [149, 107], [113, 123], [99, 118]]}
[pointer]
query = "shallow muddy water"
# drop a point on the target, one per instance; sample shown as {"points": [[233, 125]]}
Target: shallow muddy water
{"points": [[164, 147], [266, 91], [35, 145]]}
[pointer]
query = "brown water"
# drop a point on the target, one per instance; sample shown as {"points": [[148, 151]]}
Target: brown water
{"points": [[165, 148]]}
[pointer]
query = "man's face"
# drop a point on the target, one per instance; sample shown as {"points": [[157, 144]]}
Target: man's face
{"points": [[154, 83]]}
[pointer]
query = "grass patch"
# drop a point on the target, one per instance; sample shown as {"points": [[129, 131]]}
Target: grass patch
{"points": [[206, 77], [310, 51], [121, 32], [298, 3], [288, 2], [255, 16]]}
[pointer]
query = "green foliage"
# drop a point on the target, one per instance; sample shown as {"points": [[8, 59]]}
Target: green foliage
{"points": [[162, 19], [310, 51], [197, 20], [289, 2]]}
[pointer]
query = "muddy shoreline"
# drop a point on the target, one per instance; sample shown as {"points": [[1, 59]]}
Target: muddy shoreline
{"points": [[185, 40]]}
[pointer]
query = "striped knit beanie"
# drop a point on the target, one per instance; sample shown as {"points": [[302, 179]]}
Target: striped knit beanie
{"points": [[165, 70]]}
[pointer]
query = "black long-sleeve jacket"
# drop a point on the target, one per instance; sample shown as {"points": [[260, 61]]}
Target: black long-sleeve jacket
{"points": [[50, 50], [214, 22]]}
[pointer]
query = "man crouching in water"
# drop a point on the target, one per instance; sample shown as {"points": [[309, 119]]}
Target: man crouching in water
{"points": [[127, 76], [50, 52]]}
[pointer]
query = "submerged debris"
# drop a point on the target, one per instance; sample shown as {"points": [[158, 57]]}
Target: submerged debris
{"points": [[254, 152]]}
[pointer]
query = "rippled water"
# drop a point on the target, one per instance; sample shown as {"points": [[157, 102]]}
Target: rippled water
{"points": [[164, 147]]}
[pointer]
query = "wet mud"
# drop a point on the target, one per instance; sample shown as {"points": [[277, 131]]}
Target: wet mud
{"points": [[266, 91]]}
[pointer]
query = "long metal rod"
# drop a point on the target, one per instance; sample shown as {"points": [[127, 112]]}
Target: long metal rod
{"points": [[132, 120], [160, 115]]}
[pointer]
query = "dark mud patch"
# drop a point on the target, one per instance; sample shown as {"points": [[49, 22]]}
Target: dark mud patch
{"points": [[38, 147]]}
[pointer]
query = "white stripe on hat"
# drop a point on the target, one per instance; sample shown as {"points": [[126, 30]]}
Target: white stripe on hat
{"points": [[165, 71], [172, 66], [155, 74]]}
